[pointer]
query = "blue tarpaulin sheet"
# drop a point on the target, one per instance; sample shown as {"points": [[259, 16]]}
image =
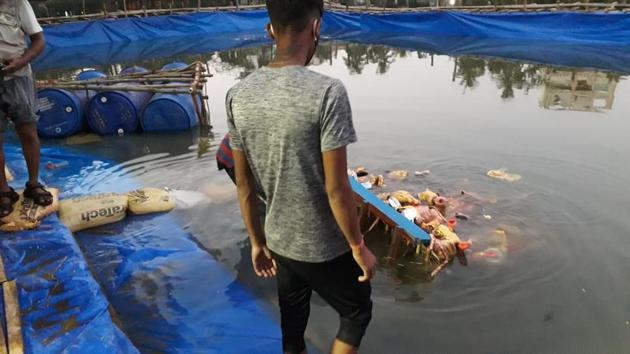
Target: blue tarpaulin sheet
{"points": [[62, 307], [593, 40], [166, 293]]}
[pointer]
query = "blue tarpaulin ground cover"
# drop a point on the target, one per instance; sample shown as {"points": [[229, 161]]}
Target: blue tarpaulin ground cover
{"points": [[165, 292]]}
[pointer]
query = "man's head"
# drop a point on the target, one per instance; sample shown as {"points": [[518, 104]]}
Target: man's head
{"points": [[294, 16]]}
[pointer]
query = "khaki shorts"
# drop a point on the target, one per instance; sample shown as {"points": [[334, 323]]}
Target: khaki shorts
{"points": [[17, 101]]}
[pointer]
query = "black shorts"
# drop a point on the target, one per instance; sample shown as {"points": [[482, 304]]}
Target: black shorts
{"points": [[336, 282]]}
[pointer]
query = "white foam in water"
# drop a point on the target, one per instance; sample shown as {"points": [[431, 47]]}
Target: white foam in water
{"points": [[189, 199]]}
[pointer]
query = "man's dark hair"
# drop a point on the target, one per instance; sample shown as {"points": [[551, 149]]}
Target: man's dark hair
{"points": [[293, 15]]}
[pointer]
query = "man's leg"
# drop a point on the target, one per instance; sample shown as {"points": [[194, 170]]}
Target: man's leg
{"points": [[4, 185], [294, 297], [337, 283], [31, 148]]}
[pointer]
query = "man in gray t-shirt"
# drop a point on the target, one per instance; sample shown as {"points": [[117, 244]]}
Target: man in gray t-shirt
{"points": [[289, 128]]}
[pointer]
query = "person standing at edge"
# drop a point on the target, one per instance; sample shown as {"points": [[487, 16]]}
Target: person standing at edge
{"points": [[289, 128], [17, 96]]}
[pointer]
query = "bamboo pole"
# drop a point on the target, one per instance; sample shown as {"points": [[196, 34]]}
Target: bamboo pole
{"points": [[13, 320]]}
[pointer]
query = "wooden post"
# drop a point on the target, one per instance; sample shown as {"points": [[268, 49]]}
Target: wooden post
{"points": [[367, 4], [125, 7], [198, 5], [12, 314], [384, 4], [83, 7]]}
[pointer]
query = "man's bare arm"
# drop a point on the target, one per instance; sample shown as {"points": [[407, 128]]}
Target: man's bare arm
{"points": [[344, 208], [340, 194], [248, 199]]}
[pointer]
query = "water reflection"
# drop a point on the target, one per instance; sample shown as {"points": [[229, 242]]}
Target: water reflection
{"points": [[566, 89], [578, 90]]}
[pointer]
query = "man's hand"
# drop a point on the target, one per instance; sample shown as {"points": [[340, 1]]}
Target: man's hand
{"points": [[264, 265], [13, 65], [366, 260]]}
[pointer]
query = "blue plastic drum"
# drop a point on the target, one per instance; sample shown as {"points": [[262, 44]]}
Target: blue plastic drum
{"points": [[177, 65], [89, 75], [112, 112], [60, 113], [167, 112]]}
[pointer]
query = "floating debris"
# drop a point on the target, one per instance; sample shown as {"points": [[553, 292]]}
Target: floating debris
{"points": [[405, 198], [54, 166], [462, 216], [398, 174], [503, 175], [82, 139], [377, 181], [422, 173], [487, 216]]}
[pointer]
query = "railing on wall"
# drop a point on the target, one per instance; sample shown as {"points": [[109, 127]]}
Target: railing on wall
{"points": [[58, 11]]}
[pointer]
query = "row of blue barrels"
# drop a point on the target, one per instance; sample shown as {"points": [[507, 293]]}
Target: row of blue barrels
{"points": [[63, 113]]}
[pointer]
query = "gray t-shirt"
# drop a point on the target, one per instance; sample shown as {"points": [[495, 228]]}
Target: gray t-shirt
{"points": [[283, 119]]}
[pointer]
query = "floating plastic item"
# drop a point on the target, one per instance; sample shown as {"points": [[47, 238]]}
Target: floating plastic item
{"points": [[167, 112], [394, 203], [487, 216], [503, 175], [422, 173], [110, 111]]}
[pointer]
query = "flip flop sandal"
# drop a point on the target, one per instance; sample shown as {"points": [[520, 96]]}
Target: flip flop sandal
{"points": [[38, 193], [6, 208]]}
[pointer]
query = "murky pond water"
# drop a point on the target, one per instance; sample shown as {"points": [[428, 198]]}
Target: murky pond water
{"points": [[555, 282]]}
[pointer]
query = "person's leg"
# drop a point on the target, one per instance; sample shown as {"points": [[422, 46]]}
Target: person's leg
{"points": [[31, 149], [22, 110], [337, 283], [294, 297], [4, 185], [8, 197]]}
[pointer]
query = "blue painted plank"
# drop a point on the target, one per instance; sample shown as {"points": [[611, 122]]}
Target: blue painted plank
{"points": [[403, 223]]}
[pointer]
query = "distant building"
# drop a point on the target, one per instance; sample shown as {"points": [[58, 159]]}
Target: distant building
{"points": [[578, 90]]}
